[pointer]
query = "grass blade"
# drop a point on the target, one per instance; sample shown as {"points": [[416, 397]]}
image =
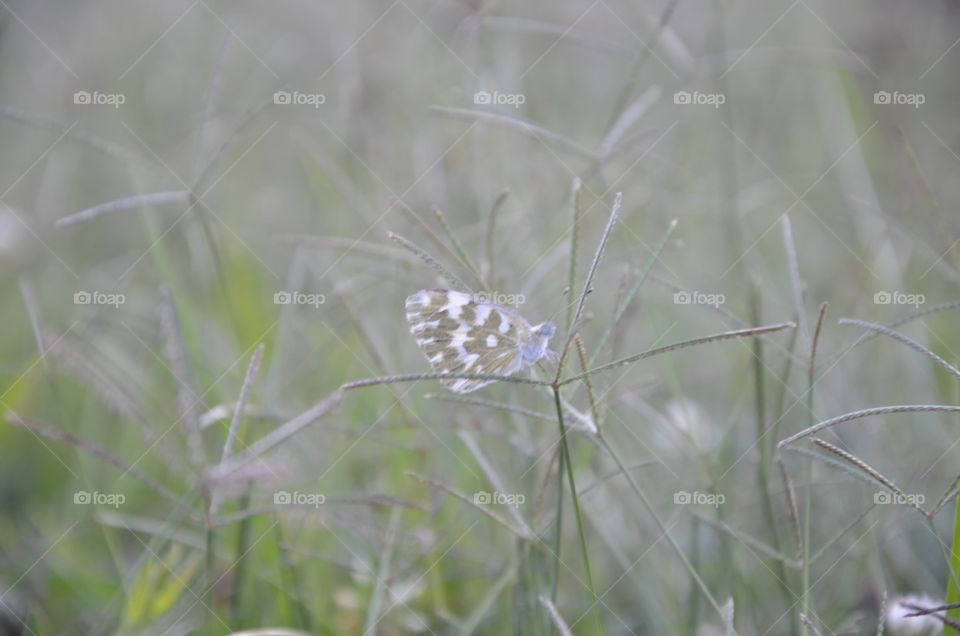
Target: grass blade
{"points": [[154, 199], [594, 407], [628, 298], [515, 123], [575, 191], [523, 532], [186, 385], [458, 248], [750, 541], [416, 377], [727, 335], [383, 574], [648, 506], [433, 263], [856, 415], [278, 436], [489, 242], [58, 435], [576, 510], [240, 408], [859, 464], [598, 256], [499, 406], [558, 623], [902, 339]]}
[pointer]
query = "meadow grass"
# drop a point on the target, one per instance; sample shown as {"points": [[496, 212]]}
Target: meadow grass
{"points": [[215, 419]]}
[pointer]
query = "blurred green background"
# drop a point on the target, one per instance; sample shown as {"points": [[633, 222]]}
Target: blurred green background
{"points": [[168, 169]]}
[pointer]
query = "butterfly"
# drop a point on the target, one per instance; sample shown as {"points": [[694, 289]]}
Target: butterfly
{"points": [[458, 333]]}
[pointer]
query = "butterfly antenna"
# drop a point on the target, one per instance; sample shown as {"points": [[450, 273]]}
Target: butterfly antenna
{"points": [[562, 308], [567, 305]]}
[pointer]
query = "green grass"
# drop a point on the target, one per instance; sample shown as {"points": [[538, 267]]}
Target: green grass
{"points": [[683, 250]]}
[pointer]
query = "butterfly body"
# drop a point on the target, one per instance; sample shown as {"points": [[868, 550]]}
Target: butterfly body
{"points": [[458, 334], [536, 346]]}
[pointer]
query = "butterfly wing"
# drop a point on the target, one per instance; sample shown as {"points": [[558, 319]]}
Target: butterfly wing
{"points": [[459, 335]]}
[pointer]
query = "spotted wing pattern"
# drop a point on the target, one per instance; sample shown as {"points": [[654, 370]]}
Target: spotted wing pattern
{"points": [[457, 334]]}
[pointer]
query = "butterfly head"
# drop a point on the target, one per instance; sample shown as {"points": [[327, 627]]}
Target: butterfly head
{"points": [[544, 330], [536, 346]]}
